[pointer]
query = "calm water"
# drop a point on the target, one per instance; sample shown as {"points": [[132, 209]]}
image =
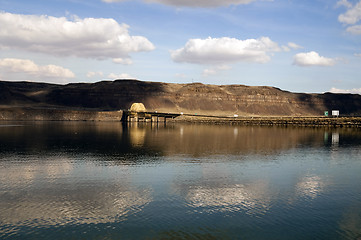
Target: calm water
{"points": [[102, 181]]}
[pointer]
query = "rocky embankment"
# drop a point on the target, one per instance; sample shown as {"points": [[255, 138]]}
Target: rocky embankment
{"points": [[277, 121], [36, 114]]}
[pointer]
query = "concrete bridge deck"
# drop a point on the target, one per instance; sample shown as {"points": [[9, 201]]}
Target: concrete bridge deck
{"points": [[129, 116]]}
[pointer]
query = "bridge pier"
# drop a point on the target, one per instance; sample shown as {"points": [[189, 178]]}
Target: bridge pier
{"points": [[143, 116]]}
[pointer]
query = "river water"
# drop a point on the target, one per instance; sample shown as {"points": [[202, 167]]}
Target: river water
{"points": [[90, 180]]}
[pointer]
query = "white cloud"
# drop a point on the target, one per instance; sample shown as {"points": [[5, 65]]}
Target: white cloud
{"points": [[224, 67], [124, 61], [356, 29], [353, 15], [110, 76], [120, 76], [201, 3], [293, 45], [180, 75], [357, 54], [94, 74], [286, 48], [290, 46], [207, 72], [344, 3], [354, 90], [225, 50], [29, 70], [113, 1], [193, 3], [98, 38], [215, 70], [312, 59]]}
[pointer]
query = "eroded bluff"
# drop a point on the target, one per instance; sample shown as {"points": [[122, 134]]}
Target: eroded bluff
{"points": [[168, 97]]}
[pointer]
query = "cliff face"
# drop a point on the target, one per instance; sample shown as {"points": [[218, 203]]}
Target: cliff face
{"points": [[187, 98]]}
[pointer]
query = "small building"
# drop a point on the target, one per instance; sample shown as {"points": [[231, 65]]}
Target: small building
{"points": [[335, 113]]}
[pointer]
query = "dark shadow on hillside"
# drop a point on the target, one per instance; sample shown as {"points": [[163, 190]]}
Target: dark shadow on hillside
{"points": [[347, 104], [105, 95], [24, 93], [306, 99]]}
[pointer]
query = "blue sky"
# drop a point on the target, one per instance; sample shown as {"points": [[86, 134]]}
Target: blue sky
{"points": [[300, 46]]}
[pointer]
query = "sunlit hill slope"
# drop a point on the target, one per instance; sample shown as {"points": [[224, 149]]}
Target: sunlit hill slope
{"points": [[187, 98]]}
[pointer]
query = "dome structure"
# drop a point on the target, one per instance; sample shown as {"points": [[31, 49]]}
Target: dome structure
{"points": [[137, 107]]}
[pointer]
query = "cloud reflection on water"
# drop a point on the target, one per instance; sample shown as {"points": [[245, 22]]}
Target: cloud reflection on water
{"points": [[104, 173], [310, 186], [254, 199], [57, 192]]}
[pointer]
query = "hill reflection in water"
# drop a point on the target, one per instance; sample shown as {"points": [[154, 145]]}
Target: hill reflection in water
{"points": [[103, 180], [173, 139]]}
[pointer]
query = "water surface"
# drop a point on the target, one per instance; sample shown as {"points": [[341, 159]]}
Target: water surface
{"points": [[89, 180]]}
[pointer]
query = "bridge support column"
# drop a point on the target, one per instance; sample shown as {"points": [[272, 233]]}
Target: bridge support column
{"points": [[125, 117]]}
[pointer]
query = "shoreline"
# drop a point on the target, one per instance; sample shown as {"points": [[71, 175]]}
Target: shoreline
{"points": [[57, 114], [52, 114], [281, 121]]}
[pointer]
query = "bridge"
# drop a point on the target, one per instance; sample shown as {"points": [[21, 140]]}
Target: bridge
{"points": [[129, 116], [138, 113]]}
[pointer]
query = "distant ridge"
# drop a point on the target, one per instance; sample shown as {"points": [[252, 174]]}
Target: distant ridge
{"points": [[188, 98]]}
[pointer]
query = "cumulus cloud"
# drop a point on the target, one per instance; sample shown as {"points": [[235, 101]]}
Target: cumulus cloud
{"points": [[312, 59], [225, 50], [215, 70], [293, 45], [193, 3], [124, 61], [357, 54], [94, 74], [201, 3], [207, 72], [113, 1], [180, 75], [353, 91], [290, 46], [110, 76], [354, 29], [351, 16], [344, 3], [24, 69], [120, 76], [98, 38]]}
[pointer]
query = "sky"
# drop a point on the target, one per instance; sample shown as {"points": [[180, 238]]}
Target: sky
{"points": [[309, 46]]}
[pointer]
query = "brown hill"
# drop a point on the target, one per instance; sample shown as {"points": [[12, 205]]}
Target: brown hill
{"points": [[188, 98]]}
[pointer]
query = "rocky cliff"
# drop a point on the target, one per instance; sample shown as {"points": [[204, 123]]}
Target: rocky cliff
{"points": [[187, 98]]}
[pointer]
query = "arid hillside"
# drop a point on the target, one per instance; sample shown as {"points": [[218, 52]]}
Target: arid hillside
{"points": [[188, 98]]}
